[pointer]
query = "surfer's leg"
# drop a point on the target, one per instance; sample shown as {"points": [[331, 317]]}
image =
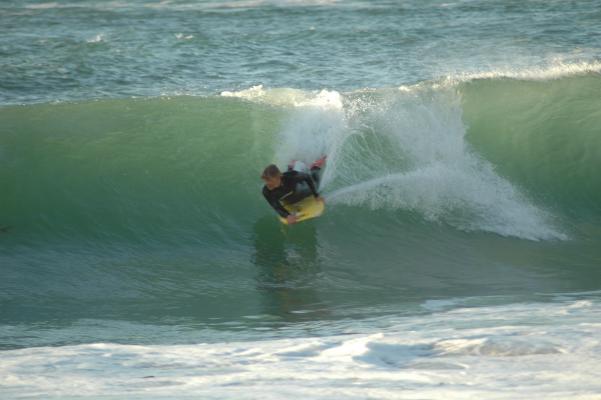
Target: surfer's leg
{"points": [[319, 162], [316, 175], [316, 169]]}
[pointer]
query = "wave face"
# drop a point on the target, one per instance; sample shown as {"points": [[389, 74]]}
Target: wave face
{"points": [[432, 189], [506, 156], [133, 169]]}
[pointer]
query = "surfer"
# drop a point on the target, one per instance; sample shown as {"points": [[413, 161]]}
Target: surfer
{"points": [[291, 186]]}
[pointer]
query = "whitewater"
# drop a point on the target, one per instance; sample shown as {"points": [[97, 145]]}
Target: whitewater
{"points": [[459, 255], [502, 352]]}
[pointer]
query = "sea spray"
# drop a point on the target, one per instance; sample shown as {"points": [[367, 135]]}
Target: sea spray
{"points": [[435, 171]]}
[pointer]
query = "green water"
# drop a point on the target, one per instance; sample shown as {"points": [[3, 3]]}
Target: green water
{"points": [[149, 210]]}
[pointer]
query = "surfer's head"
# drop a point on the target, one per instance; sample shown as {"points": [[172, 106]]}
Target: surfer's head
{"points": [[272, 176]]}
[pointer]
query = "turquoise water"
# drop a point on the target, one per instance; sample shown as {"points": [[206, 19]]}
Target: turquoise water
{"points": [[462, 190]]}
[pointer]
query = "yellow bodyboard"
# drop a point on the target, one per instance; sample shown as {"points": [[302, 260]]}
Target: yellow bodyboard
{"points": [[307, 208]]}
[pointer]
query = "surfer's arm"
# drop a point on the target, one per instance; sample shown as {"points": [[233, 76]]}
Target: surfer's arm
{"points": [[275, 203]]}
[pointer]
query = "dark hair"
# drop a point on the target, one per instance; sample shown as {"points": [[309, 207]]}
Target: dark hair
{"points": [[271, 171]]}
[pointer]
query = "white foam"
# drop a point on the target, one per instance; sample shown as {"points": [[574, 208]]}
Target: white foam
{"points": [[554, 70], [287, 97], [314, 128], [497, 347], [312, 131], [502, 352], [96, 39], [248, 94], [181, 36]]}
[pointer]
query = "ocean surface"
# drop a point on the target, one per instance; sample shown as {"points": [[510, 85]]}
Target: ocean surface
{"points": [[460, 253]]}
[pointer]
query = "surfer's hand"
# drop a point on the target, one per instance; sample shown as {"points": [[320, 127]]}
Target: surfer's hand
{"points": [[291, 219]]}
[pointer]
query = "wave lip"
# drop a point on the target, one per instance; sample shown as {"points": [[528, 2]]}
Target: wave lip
{"points": [[556, 70], [324, 99]]}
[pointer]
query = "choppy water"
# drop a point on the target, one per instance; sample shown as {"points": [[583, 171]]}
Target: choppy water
{"points": [[83, 49], [460, 253]]}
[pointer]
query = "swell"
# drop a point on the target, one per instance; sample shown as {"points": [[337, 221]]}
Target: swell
{"points": [[508, 156]]}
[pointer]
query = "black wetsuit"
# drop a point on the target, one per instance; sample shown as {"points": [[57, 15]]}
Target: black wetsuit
{"points": [[295, 187]]}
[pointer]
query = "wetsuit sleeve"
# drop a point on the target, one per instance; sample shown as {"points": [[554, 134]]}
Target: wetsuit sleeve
{"points": [[275, 203], [307, 178]]}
